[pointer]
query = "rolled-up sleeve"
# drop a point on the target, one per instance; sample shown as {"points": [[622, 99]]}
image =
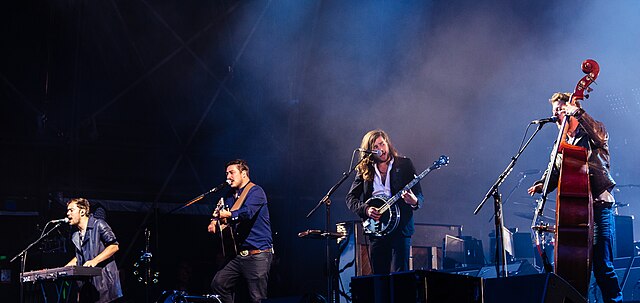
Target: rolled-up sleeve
{"points": [[106, 234]]}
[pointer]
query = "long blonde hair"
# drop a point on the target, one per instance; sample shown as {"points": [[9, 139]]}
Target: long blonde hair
{"points": [[366, 166]]}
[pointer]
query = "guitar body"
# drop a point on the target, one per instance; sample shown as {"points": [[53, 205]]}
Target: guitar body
{"points": [[574, 220], [388, 221], [220, 228], [227, 240]]}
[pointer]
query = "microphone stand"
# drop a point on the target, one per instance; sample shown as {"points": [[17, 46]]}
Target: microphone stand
{"points": [[326, 200], [513, 190], [145, 259], [23, 257], [536, 225], [501, 254], [198, 198]]}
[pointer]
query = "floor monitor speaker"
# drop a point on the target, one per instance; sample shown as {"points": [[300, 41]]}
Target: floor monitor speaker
{"points": [[416, 286], [539, 288]]}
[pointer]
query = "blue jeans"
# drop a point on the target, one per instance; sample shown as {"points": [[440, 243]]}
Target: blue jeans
{"points": [[603, 270]]}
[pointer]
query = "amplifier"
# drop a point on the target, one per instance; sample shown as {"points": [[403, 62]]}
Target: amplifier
{"points": [[432, 235], [623, 241]]}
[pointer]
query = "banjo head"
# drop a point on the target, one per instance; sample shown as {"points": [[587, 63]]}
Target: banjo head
{"points": [[388, 221]]}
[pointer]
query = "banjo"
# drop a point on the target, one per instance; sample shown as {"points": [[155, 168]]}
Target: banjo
{"points": [[388, 208]]}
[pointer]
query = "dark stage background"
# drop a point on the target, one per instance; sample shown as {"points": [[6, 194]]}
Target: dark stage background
{"points": [[139, 103]]}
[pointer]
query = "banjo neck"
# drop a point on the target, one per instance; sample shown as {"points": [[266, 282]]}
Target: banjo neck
{"points": [[443, 160]]}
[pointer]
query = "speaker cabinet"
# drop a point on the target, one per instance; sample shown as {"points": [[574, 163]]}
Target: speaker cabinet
{"points": [[432, 235], [416, 286], [425, 258], [431, 287], [474, 253], [427, 245], [540, 288], [370, 289], [623, 241]]}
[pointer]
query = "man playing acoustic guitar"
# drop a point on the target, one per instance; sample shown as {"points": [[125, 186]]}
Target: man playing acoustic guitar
{"points": [[386, 174], [248, 217]]}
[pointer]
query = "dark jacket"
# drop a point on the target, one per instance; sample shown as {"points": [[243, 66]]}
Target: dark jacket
{"points": [[402, 173], [593, 136], [98, 236]]}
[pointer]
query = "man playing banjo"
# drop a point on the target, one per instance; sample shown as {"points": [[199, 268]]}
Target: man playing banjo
{"points": [[384, 174]]}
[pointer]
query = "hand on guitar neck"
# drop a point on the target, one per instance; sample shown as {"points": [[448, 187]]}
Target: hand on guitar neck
{"points": [[562, 110], [409, 197], [219, 217], [224, 214]]}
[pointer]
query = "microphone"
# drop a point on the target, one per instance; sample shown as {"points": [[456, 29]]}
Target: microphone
{"points": [[369, 151], [221, 186], [64, 220], [545, 120]]}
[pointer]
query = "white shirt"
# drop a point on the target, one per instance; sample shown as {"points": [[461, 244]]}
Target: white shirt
{"points": [[380, 188]]}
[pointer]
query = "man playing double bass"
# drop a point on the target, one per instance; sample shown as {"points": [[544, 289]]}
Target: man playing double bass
{"points": [[586, 132]]}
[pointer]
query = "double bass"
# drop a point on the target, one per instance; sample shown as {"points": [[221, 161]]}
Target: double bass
{"points": [[574, 203]]}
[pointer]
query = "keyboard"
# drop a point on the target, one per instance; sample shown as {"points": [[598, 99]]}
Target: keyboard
{"points": [[67, 272]]}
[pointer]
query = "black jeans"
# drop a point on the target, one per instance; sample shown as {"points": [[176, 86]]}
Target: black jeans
{"points": [[253, 269], [390, 253]]}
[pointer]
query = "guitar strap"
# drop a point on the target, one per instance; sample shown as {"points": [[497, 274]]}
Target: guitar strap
{"points": [[242, 197]]}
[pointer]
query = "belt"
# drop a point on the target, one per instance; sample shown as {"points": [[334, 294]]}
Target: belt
{"points": [[251, 252], [603, 204]]}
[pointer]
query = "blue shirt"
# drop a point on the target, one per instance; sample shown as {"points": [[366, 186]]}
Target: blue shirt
{"points": [[251, 223]]}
